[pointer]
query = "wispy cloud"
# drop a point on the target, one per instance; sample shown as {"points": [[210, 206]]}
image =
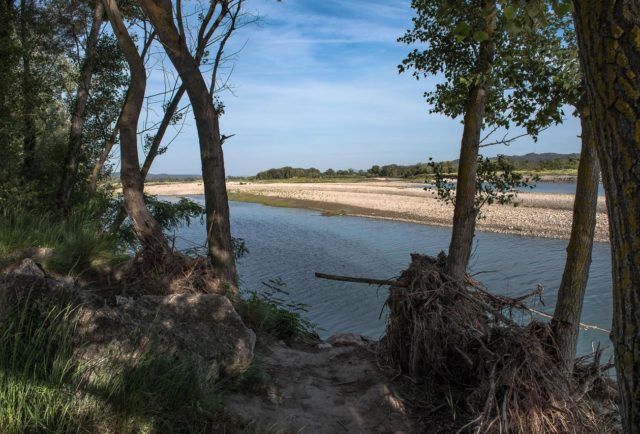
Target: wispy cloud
{"points": [[316, 83]]}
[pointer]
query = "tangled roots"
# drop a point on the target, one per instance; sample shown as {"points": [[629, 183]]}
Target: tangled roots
{"points": [[462, 342]]}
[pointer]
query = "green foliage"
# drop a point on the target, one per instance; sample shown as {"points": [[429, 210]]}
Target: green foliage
{"points": [[37, 377], [288, 173], [43, 388], [270, 313], [497, 182], [78, 242], [533, 72], [170, 215], [159, 392]]}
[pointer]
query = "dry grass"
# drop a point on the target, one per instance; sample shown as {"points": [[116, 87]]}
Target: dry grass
{"points": [[468, 347]]}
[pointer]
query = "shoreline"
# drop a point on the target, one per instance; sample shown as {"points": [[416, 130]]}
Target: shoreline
{"points": [[540, 215]]}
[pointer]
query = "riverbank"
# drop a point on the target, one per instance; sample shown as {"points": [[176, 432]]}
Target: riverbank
{"points": [[537, 214]]}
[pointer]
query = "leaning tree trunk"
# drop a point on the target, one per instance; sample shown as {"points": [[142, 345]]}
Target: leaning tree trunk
{"points": [[146, 228], [220, 249], [566, 318], [72, 158], [465, 213], [608, 33]]}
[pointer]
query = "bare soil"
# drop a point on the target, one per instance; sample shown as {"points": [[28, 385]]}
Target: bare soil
{"points": [[324, 390]]}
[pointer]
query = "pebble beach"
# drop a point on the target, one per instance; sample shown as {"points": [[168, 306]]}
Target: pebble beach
{"points": [[546, 215]]}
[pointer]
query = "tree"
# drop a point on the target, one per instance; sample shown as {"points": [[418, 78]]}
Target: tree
{"points": [[493, 78], [608, 32], [566, 317], [174, 40], [72, 157], [146, 228]]}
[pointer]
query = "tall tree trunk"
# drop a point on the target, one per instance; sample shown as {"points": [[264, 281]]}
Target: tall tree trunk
{"points": [[608, 33], [146, 228], [153, 149], [213, 175], [72, 158], [465, 213], [566, 318], [28, 104]]}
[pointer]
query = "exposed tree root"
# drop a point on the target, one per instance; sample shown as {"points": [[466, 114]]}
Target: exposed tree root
{"points": [[148, 273], [468, 346]]}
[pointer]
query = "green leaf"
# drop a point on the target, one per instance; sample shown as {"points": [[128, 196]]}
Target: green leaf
{"points": [[461, 31], [509, 12], [562, 8], [480, 36]]}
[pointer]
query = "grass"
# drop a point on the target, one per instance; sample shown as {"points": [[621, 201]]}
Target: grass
{"points": [[263, 200], [267, 312], [78, 242], [37, 377], [44, 389]]}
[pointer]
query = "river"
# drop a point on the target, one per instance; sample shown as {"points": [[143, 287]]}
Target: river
{"points": [[292, 244], [543, 187]]}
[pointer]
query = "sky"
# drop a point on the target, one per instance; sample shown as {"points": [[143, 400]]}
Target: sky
{"points": [[316, 84]]}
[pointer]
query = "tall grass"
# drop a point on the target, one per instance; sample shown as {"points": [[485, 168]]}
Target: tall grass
{"points": [[43, 388], [37, 376], [78, 242]]}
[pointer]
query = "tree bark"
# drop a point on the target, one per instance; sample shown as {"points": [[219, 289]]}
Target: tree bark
{"points": [[146, 228], [465, 213], [104, 156], [28, 105], [566, 317], [608, 33], [220, 249], [72, 158]]}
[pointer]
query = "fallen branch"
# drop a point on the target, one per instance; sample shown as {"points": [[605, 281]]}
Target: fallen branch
{"points": [[361, 280]]}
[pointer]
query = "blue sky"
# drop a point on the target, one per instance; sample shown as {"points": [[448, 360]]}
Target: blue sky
{"points": [[316, 84]]}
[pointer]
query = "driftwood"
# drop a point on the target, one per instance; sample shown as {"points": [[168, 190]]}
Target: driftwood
{"points": [[515, 302], [361, 280]]}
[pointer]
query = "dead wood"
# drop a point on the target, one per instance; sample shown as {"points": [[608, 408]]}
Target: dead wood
{"points": [[480, 351]]}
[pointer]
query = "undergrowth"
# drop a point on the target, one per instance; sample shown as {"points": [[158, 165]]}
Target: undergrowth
{"points": [[77, 243], [43, 388], [268, 312]]}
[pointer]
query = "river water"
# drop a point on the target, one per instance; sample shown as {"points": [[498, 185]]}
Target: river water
{"points": [[545, 187], [292, 244]]}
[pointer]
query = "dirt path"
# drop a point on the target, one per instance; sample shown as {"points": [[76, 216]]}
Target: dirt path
{"points": [[329, 390]]}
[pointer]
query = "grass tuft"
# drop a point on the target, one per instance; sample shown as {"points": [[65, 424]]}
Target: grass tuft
{"points": [[78, 242], [269, 313]]}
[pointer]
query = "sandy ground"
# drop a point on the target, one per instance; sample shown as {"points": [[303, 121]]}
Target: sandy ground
{"points": [[537, 214], [324, 391]]}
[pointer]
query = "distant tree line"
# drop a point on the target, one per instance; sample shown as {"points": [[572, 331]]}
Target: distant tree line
{"points": [[569, 161]]}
